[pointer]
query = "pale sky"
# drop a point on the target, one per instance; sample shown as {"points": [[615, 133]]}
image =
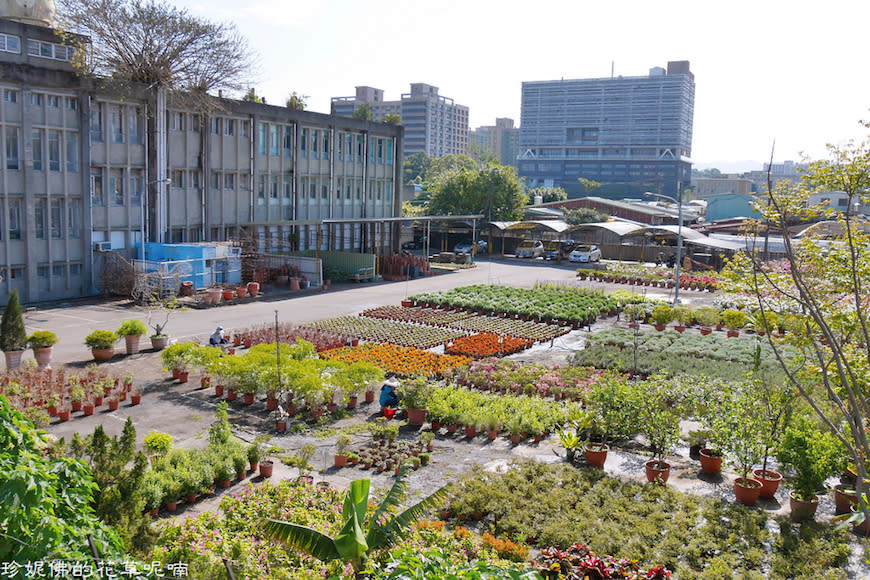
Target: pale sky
{"points": [[793, 72]]}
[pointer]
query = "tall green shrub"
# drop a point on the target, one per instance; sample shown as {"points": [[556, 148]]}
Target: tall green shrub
{"points": [[13, 336]]}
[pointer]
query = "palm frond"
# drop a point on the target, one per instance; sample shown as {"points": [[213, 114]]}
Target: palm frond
{"points": [[382, 536], [302, 538], [393, 498]]}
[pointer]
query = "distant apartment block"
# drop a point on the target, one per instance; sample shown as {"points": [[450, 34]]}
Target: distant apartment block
{"points": [[787, 170], [635, 131], [704, 187], [433, 124], [501, 139]]}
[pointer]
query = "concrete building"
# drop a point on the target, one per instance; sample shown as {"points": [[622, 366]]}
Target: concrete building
{"points": [[501, 139], [87, 171], [704, 187], [633, 131], [730, 205], [433, 124]]}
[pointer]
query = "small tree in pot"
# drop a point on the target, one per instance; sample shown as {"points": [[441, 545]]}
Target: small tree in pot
{"points": [[738, 423], [814, 455], [662, 315], [13, 336], [659, 421]]}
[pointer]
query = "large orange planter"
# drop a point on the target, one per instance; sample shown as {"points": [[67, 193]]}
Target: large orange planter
{"points": [[769, 482], [657, 471], [746, 491], [711, 464]]}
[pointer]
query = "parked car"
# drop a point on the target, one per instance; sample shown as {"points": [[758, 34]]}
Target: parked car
{"points": [[585, 254], [558, 249], [530, 249], [465, 247]]}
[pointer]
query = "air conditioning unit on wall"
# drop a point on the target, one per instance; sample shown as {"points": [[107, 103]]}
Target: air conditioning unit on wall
{"points": [[102, 246]]}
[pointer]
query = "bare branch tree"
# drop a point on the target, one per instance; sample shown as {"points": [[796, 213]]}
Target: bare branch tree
{"points": [[156, 44]]}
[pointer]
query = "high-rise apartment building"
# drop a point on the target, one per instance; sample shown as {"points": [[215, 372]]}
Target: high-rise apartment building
{"points": [[634, 131], [433, 124], [86, 169], [501, 139]]}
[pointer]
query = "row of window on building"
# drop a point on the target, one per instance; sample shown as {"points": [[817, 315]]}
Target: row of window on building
{"points": [[53, 218], [12, 43], [49, 148]]}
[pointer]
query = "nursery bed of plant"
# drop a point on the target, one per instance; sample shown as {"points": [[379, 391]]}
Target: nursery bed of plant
{"points": [[677, 353], [389, 331], [398, 360], [546, 302], [697, 538]]}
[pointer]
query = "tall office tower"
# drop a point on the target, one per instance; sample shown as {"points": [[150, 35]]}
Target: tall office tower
{"points": [[634, 132], [501, 139], [433, 124]]}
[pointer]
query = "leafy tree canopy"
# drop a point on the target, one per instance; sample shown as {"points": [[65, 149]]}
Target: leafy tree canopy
{"points": [[155, 43], [363, 112], [416, 167], [549, 194], [392, 119], [584, 215], [494, 190]]}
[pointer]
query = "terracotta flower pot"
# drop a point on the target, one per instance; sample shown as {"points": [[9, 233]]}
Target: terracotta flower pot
{"points": [[63, 415], [248, 398], [241, 291], [705, 330], [266, 469], [281, 426], [253, 288], [114, 404], [225, 483], [135, 399], [340, 460], [159, 342], [231, 395], [746, 491], [190, 498], [370, 397], [769, 482], [76, 406], [183, 376], [43, 356], [352, 401], [470, 432], [88, 409], [802, 509], [711, 464], [843, 501], [13, 359], [131, 342], [657, 471], [228, 295], [102, 354], [271, 403], [219, 390], [596, 456], [171, 506], [416, 417]]}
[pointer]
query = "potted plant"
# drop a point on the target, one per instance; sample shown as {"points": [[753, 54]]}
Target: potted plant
{"points": [[662, 315], [814, 455], [739, 424], [157, 445], [776, 413], [165, 308], [570, 440], [412, 394], [733, 320], [132, 331], [707, 317], [152, 493], [342, 444], [13, 336], [426, 437], [254, 453], [42, 342], [303, 456], [76, 395], [659, 421], [683, 315], [135, 395], [102, 344]]}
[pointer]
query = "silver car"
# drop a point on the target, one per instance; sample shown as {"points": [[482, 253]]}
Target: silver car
{"points": [[585, 254], [530, 249]]}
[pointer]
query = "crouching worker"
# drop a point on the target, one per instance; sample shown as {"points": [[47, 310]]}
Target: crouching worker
{"points": [[217, 338], [389, 399]]}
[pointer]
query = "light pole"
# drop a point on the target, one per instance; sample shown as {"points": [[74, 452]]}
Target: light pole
{"points": [[144, 204], [679, 203]]}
